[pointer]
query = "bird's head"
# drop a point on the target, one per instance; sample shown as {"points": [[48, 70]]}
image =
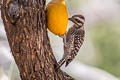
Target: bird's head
{"points": [[78, 20]]}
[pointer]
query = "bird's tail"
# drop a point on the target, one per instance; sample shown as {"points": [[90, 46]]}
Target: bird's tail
{"points": [[67, 62], [60, 63]]}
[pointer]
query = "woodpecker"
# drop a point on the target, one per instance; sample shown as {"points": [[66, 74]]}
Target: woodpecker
{"points": [[73, 40], [57, 17]]}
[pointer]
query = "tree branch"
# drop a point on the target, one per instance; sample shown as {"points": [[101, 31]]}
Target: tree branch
{"points": [[26, 29]]}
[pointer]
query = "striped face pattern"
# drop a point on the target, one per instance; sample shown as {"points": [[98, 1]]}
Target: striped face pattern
{"points": [[78, 20]]}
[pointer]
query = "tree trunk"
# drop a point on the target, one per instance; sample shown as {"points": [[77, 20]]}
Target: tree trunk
{"points": [[26, 29]]}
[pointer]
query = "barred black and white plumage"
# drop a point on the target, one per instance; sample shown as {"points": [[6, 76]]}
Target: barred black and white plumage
{"points": [[73, 40]]}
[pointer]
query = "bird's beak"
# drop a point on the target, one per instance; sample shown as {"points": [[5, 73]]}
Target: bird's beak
{"points": [[71, 19]]}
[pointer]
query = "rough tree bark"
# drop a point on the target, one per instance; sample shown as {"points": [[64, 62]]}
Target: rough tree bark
{"points": [[26, 29]]}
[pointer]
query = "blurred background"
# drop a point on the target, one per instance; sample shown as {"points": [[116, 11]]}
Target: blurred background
{"points": [[98, 58]]}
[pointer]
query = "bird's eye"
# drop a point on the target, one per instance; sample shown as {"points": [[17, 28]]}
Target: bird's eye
{"points": [[78, 21]]}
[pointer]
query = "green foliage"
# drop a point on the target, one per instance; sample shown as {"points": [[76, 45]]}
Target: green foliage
{"points": [[106, 38]]}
